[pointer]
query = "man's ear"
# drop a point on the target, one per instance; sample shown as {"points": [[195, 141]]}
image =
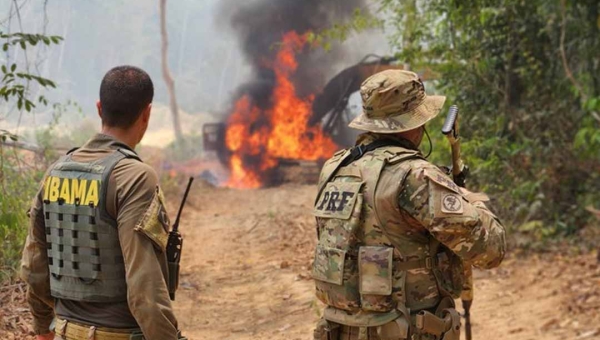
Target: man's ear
{"points": [[99, 107], [146, 113]]}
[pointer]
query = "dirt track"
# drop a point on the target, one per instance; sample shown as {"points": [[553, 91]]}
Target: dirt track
{"points": [[245, 276]]}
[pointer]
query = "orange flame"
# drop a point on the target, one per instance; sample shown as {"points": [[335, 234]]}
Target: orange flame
{"points": [[258, 138]]}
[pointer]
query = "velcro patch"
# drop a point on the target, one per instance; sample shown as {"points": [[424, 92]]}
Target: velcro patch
{"points": [[452, 204], [442, 180], [337, 200], [155, 222]]}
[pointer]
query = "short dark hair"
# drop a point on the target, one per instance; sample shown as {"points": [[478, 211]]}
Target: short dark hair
{"points": [[125, 91]]}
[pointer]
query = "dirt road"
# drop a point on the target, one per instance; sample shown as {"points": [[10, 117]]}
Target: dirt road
{"points": [[245, 276]]}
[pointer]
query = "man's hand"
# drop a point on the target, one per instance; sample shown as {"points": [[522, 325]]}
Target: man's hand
{"points": [[49, 336]]}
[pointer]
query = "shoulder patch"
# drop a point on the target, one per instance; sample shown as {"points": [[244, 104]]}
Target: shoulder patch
{"points": [[155, 223], [442, 180], [452, 204]]}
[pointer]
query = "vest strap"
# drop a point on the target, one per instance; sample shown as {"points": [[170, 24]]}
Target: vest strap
{"points": [[426, 263], [358, 151], [72, 150], [129, 154]]}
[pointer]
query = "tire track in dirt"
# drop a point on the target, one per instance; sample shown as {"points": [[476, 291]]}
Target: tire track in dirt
{"points": [[245, 276], [245, 265]]}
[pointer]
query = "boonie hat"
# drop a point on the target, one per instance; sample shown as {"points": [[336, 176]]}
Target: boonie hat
{"points": [[395, 101]]}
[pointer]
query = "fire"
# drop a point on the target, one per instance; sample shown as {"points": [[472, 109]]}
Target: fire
{"points": [[257, 138]]}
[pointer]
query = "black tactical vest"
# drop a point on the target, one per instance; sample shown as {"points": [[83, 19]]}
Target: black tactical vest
{"points": [[84, 253]]}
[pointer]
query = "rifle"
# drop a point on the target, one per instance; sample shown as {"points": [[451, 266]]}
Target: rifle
{"points": [[174, 247], [459, 174]]}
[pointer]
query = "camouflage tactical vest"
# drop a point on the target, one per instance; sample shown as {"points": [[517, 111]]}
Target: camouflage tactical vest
{"points": [[357, 270], [84, 254]]}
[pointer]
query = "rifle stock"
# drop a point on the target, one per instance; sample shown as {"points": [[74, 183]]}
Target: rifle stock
{"points": [[459, 174]]}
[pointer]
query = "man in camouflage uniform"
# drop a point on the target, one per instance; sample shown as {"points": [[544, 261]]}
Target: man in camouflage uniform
{"points": [[94, 259], [393, 229]]}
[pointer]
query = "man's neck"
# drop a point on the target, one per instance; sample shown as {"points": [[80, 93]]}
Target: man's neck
{"points": [[368, 137], [122, 135]]}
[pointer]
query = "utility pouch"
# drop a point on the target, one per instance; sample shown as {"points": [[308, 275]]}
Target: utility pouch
{"points": [[428, 323], [376, 273], [394, 330], [327, 330], [454, 332], [446, 328]]}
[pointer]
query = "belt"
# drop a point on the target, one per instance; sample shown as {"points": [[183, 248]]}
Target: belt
{"points": [[76, 331], [354, 333]]}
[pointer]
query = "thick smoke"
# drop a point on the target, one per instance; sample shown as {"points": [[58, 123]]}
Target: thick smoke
{"points": [[260, 25]]}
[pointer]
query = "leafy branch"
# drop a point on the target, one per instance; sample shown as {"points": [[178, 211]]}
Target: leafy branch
{"points": [[13, 81], [360, 22], [4, 135], [22, 39]]}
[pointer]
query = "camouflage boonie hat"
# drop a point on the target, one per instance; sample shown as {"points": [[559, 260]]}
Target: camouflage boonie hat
{"points": [[395, 101]]}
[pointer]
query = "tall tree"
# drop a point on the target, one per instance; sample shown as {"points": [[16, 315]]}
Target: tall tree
{"points": [[167, 73]]}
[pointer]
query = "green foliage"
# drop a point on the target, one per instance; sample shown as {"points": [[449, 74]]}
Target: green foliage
{"points": [[14, 83], [6, 135], [587, 139], [340, 32], [531, 135], [526, 76], [18, 177], [18, 185]]}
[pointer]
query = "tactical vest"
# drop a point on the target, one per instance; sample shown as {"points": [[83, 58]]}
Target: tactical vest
{"points": [[84, 253], [358, 273]]}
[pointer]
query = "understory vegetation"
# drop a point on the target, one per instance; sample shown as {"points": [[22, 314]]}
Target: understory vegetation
{"points": [[526, 77], [20, 171]]}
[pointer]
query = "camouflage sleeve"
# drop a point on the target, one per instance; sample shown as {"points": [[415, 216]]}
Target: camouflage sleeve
{"points": [[35, 271], [143, 231], [458, 220]]}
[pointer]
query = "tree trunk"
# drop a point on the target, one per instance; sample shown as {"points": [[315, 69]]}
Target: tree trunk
{"points": [[167, 74]]}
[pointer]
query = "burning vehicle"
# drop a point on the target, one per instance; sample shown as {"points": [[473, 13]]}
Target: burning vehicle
{"points": [[259, 144], [288, 118]]}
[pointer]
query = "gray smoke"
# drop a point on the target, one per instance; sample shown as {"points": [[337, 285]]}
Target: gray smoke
{"points": [[259, 25]]}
